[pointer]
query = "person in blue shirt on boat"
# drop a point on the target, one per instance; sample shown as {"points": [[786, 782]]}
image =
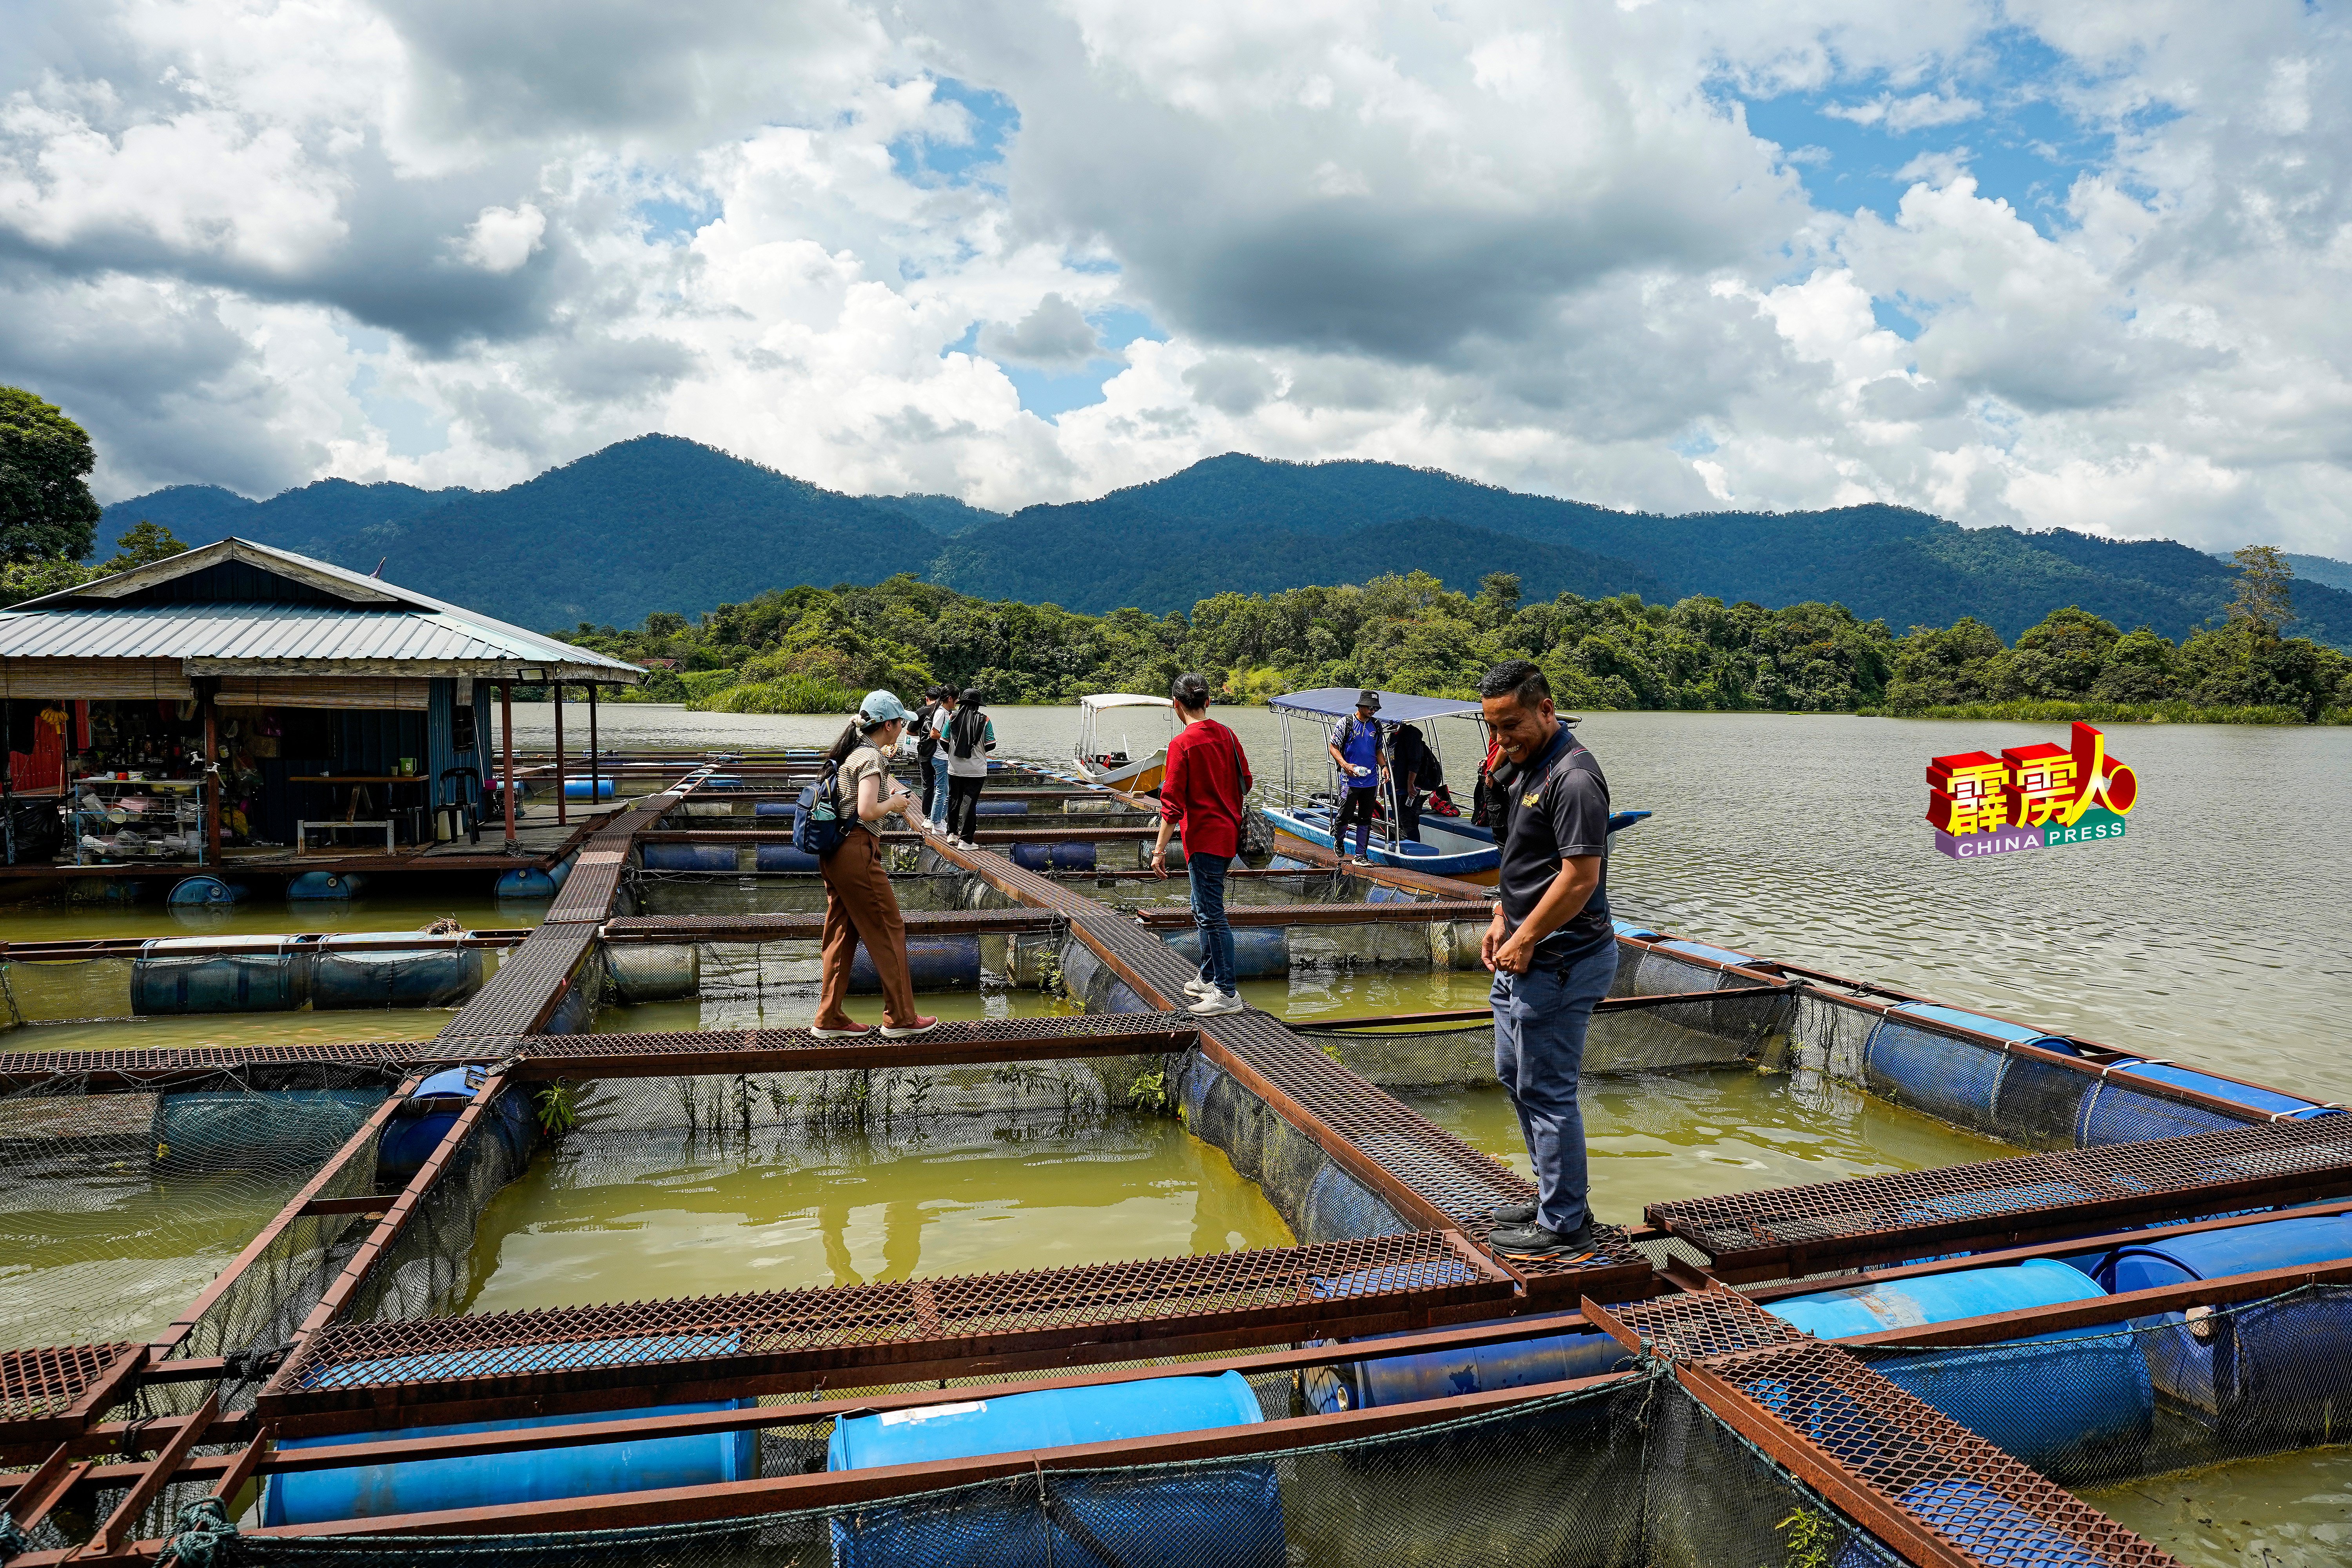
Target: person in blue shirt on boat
{"points": [[1355, 746], [1552, 949]]}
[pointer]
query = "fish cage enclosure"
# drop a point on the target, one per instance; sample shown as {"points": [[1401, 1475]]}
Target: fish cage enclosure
{"points": [[1079, 1278]]}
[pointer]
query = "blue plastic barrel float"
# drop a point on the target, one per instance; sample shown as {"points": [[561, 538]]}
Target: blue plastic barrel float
{"points": [[935, 963], [2050, 1400], [988, 807], [1464, 1369], [687, 856], [1259, 952], [2115, 1112], [204, 893], [1225, 1516], [784, 858], [2279, 1368], [177, 975], [319, 887], [426, 976], [207, 1130], [498, 1480], [789, 809], [577, 789], [528, 884], [418, 1128], [1059, 857], [1940, 1074]]}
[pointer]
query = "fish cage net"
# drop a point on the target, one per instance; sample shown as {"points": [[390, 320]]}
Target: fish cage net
{"points": [[2172, 1391], [281, 979], [118, 1209], [1632, 1472], [1721, 1032]]}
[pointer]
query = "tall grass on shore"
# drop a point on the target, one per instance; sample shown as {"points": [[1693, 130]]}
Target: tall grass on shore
{"points": [[2177, 712], [786, 694]]}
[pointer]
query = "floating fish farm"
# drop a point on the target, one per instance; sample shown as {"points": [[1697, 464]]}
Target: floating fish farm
{"points": [[236, 1321]]}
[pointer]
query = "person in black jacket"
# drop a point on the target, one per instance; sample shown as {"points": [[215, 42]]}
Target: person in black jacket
{"points": [[938, 702]]}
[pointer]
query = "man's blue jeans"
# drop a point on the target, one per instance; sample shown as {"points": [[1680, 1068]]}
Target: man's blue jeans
{"points": [[935, 808], [1208, 873], [1539, 1021]]}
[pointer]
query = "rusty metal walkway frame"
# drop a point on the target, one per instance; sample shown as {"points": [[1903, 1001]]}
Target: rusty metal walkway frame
{"points": [[1427, 1176]]}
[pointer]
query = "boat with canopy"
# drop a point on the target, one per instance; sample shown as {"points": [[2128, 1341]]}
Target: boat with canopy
{"points": [[1444, 846], [1104, 753]]}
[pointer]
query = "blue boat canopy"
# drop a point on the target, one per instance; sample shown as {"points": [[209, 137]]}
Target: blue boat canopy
{"points": [[1396, 706]]}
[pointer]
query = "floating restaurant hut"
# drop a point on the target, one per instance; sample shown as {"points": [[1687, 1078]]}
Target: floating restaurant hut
{"points": [[240, 705]]}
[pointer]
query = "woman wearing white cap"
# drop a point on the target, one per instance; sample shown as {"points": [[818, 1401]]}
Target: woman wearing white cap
{"points": [[859, 904]]}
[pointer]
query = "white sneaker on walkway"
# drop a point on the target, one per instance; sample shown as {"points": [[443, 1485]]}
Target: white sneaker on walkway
{"points": [[1217, 1004], [1196, 989]]}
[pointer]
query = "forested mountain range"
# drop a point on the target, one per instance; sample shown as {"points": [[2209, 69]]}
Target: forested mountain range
{"points": [[664, 524]]}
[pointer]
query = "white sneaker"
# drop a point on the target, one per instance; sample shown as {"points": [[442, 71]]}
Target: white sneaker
{"points": [[1217, 1004], [1196, 989]]}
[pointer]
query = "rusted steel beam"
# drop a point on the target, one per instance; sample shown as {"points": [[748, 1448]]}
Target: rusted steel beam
{"points": [[2029, 1320], [1325, 914], [734, 1052], [161, 1347], [830, 1489], [396, 1219], [985, 836], [1482, 1014], [1783, 1288], [657, 929], [111, 1535]]}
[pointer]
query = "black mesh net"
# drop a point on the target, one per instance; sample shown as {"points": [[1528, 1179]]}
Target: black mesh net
{"points": [[1628, 1473]]}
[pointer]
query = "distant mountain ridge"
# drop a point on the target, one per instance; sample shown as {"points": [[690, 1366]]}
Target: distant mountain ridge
{"points": [[665, 523]]}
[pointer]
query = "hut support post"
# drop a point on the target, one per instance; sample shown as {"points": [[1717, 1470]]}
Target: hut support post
{"points": [[560, 817], [596, 761], [211, 853], [506, 735]]}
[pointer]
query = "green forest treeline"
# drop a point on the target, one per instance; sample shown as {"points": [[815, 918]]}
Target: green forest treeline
{"points": [[806, 649]]}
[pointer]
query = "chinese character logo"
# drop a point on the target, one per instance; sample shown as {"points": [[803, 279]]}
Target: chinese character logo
{"points": [[2030, 797]]}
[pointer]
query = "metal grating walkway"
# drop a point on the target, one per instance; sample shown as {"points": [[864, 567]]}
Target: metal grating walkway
{"points": [[37, 1382], [1221, 1300], [2072, 1190]]}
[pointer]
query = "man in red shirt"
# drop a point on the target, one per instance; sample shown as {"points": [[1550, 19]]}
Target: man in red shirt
{"points": [[1207, 776]]}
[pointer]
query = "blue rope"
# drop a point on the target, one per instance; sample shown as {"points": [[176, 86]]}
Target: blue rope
{"points": [[204, 1525], [13, 1539]]}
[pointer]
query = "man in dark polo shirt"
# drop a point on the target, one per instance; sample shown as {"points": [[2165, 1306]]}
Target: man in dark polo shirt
{"points": [[1551, 947]]}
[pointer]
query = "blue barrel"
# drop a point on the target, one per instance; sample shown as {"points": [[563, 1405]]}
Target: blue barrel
{"points": [[322, 885], [2119, 1122], [987, 807], [1467, 1369], [497, 1480], [935, 963], [1949, 1078], [577, 789], [1701, 949], [439, 976], [2049, 1400], [210, 1130], [418, 1126], [1226, 1517], [524, 884], [259, 974], [788, 809], [687, 856], [1055, 857], [1259, 952], [2283, 1366], [1627, 928], [721, 781], [204, 893], [784, 858]]}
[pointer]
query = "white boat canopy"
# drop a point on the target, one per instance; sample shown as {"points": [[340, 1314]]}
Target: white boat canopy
{"points": [[1101, 700]]}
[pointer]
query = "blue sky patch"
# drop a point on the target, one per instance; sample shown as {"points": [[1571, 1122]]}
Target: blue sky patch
{"points": [[1049, 394], [928, 160], [2002, 114], [668, 219]]}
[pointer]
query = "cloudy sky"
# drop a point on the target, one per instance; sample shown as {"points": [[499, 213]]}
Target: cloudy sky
{"points": [[2084, 263]]}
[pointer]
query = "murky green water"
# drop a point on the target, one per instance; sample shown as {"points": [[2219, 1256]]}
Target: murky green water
{"points": [[2294, 1511], [632, 1217], [60, 922], [303, 1028]]}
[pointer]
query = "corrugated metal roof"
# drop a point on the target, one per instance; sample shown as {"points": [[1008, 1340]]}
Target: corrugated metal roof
{"points": [[423, 630]]}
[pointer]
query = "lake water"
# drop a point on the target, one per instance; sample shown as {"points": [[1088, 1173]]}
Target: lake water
{"points": [[2218, 932]]}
